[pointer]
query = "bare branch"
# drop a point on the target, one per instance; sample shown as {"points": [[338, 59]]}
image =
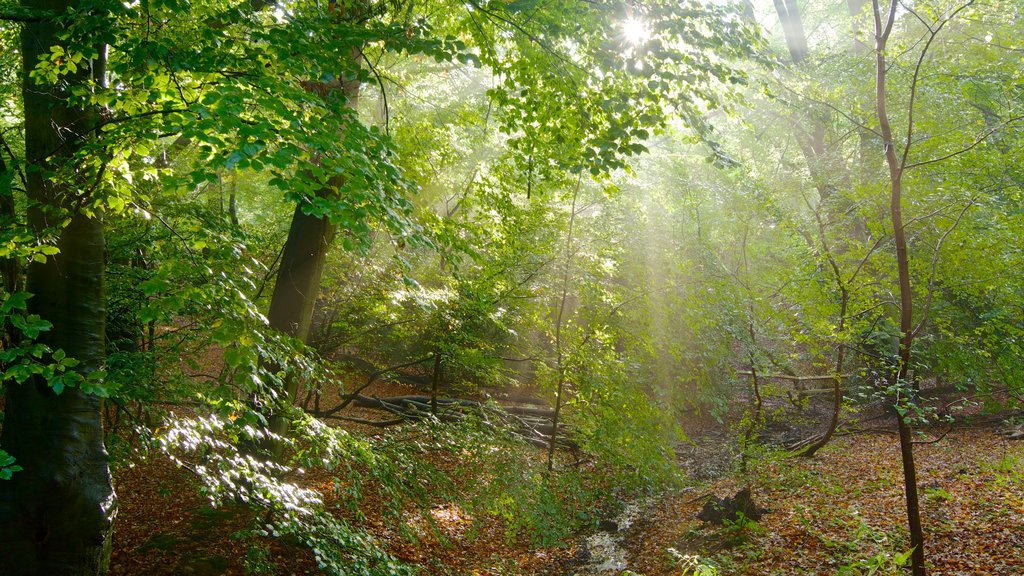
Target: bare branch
{"points": [[981, 138], [917, 73], [935, 264]]}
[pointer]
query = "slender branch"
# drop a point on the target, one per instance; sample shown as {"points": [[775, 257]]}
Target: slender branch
{"points": [[929, 215], [935, 440], [864, 260], [981, 138], [172, 230], [793, 378], [383, 91], [935, 264], [14, 160], [835, 109], [370, 380], [917, 73]]}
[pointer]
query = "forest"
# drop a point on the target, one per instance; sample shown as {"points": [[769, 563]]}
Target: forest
{"points": [[512, 287]]}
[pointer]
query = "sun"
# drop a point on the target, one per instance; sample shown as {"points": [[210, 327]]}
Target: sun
{"points": [[635, 31]]}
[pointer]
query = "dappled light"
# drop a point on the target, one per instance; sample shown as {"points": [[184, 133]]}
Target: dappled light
{"points": [[516, 288]]}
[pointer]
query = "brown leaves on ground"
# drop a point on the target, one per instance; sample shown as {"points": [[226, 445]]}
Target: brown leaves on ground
{"points": [[843, 513], [165, 527]]}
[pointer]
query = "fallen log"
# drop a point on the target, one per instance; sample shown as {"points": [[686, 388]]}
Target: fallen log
{"points": [[528, 424]]}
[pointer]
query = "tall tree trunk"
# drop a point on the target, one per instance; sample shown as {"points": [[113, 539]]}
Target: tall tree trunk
{"points": [[56, 515], [302, 265], [903, 402], [811, 140], [792, 29]]}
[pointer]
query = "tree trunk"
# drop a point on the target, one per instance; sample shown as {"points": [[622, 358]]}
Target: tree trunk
{"points": [[903, 403], [792, 29], [56, 515], [233, 200], [302, 266], [298, 283], [435, 382], [837, 379], [559, 344]]}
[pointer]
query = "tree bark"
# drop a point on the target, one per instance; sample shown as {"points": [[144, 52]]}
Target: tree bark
{"points": [[56, 515], [302, 266], [792, 29]]}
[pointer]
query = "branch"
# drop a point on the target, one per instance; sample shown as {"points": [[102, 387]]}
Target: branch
{"points": [[866, 257], [981, 138], [370, 380], [935, 263], [376, 423], [383, 92], [917, 72], [933, 441], [835, 109], [14, 160], [794, 378]]}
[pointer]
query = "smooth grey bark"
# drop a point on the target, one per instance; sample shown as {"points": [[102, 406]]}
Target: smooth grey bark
{"points": [[56, 515]]}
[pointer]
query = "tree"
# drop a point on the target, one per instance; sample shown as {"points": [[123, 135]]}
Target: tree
{"points": [[897, 156], [56, 514]]}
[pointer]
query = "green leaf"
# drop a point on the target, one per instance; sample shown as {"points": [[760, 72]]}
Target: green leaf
{"points": [[15, 301]]}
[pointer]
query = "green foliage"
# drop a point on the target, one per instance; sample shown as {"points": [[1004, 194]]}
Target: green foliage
{"points": [[879, 564], [208, 446], [512, 120], [7, 466], [501, 479]]}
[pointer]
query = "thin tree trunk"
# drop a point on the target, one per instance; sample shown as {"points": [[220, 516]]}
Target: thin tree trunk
{"points": [[755, 420], [559, 345], [837, 380], [233, 201], [435, 382], [755, 381], [903, 402], [844, 304], [56, 515]]}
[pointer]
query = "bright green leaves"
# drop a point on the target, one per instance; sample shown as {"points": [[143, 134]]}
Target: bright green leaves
{"points": [[22, 357], [7, 466], [578, 98], [13, 311], [15, 301]]}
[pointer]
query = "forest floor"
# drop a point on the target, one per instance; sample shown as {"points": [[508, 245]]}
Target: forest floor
{"points": [[839, 513], [843, 512]]}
